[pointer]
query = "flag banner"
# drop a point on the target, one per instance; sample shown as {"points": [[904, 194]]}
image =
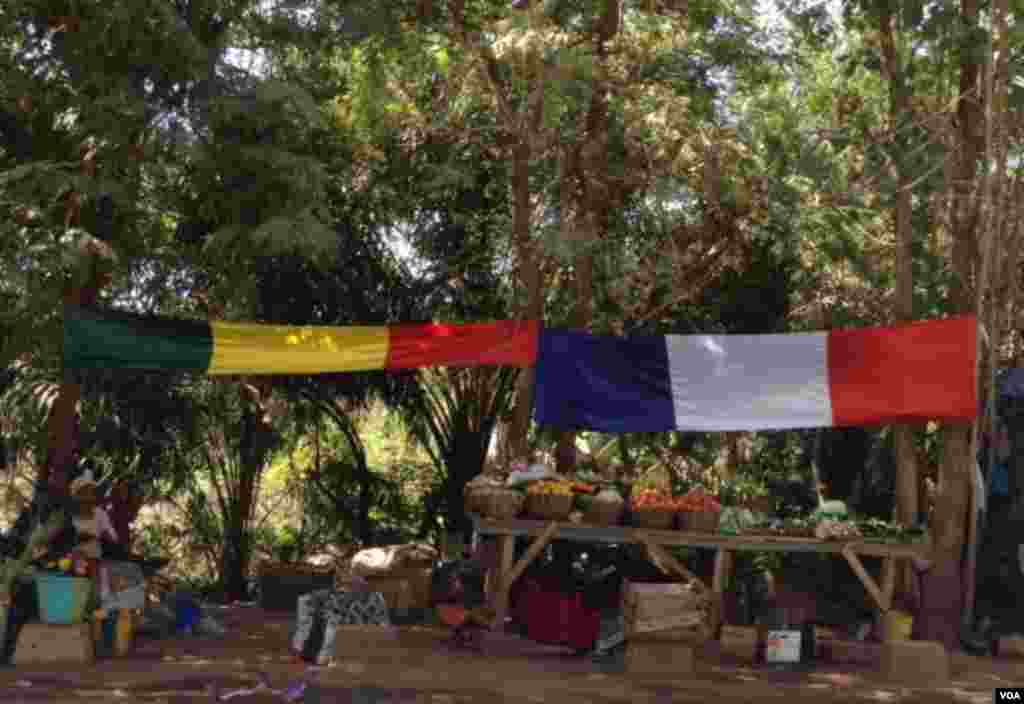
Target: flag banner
{"points": [[907, 373], [104, 339]]}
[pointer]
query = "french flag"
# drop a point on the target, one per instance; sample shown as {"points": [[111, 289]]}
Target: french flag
{"points": [[871, 376]]}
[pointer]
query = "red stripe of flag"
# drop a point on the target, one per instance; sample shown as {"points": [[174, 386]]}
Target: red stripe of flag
{"points": [[504, 343], [910, 373]]}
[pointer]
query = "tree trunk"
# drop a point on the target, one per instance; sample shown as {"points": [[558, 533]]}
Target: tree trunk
{"points": [[899, 116], [530, 281], [62, 423], [256, 445], [940, 611]]}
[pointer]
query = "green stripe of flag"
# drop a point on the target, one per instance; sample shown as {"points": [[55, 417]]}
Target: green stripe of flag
{"points": [[107, 339]]}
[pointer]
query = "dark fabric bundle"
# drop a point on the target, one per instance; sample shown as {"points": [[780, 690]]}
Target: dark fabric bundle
{"points": [[459, 582]]}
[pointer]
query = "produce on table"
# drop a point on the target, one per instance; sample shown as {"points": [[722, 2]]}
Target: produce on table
{"points": [[831, 529], [698, 501], [70, 564], [736, 520], [791, 527], [583, 487], [654, 500], [609, 495], [877, 529], [604, 508], [550, 487]]}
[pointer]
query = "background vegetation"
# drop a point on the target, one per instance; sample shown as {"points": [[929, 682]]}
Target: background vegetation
{"points": [[619, 166]]}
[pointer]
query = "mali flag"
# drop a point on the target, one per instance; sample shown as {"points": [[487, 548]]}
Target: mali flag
{"points": [[105, 339]]}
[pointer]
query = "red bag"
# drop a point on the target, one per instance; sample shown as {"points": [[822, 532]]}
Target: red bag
{"points": [[557, 618]]}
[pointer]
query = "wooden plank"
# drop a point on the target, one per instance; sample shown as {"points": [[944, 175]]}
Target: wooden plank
{"points": [[660, 555], [888, 579], [622, 535], [723, 565], [501, 595], [865, 578], [510, 576]]}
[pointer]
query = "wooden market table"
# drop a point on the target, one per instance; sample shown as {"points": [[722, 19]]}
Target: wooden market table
{"points": [[655, 541]]}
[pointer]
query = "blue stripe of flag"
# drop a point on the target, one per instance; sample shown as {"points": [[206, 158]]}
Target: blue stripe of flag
{"points": [[602, 383]]}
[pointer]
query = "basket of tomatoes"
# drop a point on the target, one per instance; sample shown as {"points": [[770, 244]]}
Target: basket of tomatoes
{"points": [[653, 509], [699, 512]]}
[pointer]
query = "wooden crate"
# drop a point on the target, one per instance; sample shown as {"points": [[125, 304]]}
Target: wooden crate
{"points": [[416, 590], [673, 611], [396, 592], [281, 583], [43, 643]]}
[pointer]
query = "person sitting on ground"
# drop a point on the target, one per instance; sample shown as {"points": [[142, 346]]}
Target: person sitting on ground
{"points": [[457, 595], [350, 603], [91, 524]]}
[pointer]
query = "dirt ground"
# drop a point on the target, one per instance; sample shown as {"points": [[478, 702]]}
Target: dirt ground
{"points": [[407, 666]]}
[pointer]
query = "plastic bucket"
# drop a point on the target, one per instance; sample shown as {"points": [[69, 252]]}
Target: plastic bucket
{"points": [[62, 600], [898, 625]]}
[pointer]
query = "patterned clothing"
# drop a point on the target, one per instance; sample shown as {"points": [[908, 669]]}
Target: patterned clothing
{"points": [[336, 608]]}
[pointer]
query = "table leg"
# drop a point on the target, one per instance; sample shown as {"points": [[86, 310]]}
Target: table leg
{"points": [[884, 602], [888, 579], [723, 567], [499, 593], [888, 587], [510, 573]]}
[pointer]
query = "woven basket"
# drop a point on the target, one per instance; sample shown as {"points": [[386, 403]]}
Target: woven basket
{"points": [[760, 504], [699, 521], [604, 513], [653, 518], [550, 507], [500, 504]]}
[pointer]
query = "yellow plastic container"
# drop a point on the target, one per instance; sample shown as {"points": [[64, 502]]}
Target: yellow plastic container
{"points": [[898, 625], [125, 632]]}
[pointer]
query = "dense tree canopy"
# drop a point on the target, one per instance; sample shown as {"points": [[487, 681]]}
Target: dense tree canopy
{"points": [[620, 166]]}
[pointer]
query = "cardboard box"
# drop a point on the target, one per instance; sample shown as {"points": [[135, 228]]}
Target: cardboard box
{"points": [[416, 591], [739, 641], [650, 608], [397, 593], [915, 663], [42, 643]]}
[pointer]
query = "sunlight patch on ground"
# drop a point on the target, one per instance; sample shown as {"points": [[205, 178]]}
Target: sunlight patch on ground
{"points": [[351, 668], [837, 679], [882, 695], [966, 695]]}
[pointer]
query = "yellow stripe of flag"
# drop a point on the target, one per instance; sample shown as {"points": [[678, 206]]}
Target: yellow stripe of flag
{"points": [[286, 349]]}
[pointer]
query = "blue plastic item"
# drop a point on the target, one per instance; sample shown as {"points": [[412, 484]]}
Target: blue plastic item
{"points": [[187, 615], [62, 600]]}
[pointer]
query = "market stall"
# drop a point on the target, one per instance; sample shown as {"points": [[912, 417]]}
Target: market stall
{"points": [[655, 542]]}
